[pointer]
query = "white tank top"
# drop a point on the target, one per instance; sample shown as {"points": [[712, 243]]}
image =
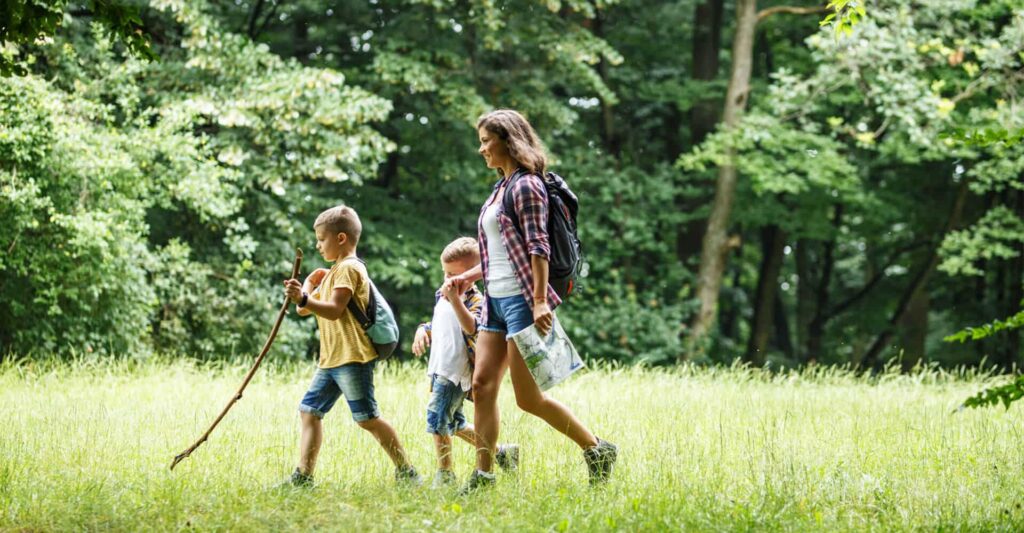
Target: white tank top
{"points": [[501, 279]]}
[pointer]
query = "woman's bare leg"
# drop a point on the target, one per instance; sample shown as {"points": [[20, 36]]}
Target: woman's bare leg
{"points": [[491, 362], [530, 399]]}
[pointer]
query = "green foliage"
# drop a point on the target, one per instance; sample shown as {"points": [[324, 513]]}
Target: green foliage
{"points": [[26, 21], [146, 199], [1003, 394], [992, 237], [987, 330], [845, 15]]}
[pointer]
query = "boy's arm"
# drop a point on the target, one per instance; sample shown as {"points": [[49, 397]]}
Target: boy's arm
{"points": [[333, 308], [467, 320], [310, 284], [307, 289]]}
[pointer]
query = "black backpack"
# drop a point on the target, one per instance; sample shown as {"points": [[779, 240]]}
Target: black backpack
{"points": [[566, 256]]}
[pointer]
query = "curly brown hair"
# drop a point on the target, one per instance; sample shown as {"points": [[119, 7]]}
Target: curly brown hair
{"points": [[523, 144]]}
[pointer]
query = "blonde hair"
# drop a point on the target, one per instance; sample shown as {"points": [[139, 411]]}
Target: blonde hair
{"points": [[460, 248], [523, 144], [341, 219]]}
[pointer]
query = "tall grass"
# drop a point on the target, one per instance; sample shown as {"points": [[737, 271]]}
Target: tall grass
{"points": [[86, 445]]}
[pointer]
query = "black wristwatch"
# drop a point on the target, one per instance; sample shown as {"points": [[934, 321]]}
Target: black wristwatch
{"points": [[304, 300]]}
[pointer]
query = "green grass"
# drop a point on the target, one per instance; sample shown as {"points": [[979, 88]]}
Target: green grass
{"points": [[87, 446]]}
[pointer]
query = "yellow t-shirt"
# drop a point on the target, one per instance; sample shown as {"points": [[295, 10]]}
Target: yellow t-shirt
{"points": [[343, 341]]}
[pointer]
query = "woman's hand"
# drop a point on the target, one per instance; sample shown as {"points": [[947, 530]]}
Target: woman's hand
{"points": [[457, 284], [451, 289], [421, 342], [542, 317], [293, 290]]}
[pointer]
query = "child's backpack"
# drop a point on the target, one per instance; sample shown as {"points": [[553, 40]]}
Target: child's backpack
{"points": [[378, 321], [566, 257]]}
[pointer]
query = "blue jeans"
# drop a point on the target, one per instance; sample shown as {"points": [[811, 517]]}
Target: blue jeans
{"points": [[444, 412], [508, 315], [354, 380]]}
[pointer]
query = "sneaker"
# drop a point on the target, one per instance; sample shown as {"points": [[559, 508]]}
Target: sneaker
{"points": [[407, 474], [477, 480], [296, 480], [443, 478], [508, 457], [601, 460]]}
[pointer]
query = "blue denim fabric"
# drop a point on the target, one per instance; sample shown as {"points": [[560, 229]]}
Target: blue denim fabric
{"points": [[444, 412], [354, 380], [508, 315]]}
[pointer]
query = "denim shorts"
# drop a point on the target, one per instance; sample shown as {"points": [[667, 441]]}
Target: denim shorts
{"points": [[508, 315], [354, 380], [444, 412]]}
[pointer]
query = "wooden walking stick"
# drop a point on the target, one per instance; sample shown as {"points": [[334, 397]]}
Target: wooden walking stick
{"points": [[263, 353]]}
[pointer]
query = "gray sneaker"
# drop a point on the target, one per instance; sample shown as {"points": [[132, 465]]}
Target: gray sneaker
{"points": [[508, 457], [296, 480], [477, 480], [601, 461], [444, 478], [407, 475]]}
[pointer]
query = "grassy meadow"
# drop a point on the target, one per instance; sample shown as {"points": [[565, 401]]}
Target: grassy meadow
{"points": [[86, 446]]}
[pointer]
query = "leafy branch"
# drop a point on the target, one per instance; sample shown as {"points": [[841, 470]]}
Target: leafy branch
{"points": [[1003, 394], [987, 330], [26, 21], [845, 15]]}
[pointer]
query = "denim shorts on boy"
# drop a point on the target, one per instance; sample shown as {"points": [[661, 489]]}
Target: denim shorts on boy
{"points": [[444, 412], [354, 380], [508, 315]]}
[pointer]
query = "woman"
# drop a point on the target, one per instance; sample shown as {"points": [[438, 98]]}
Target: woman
{"points": [[514, 267]]}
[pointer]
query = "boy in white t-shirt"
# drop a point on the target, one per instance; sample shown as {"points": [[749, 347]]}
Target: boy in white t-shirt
{"points": [[451, 337]]}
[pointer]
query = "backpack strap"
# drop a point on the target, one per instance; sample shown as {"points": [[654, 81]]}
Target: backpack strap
{"points": [[508, 203], [371, 310]]}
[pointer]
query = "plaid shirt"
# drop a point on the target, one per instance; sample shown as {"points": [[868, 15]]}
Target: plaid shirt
{"points": [[475, 304], [530, 200]]}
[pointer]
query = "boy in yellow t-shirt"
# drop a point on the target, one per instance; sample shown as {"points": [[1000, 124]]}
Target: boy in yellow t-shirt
{"points": [[347, 357]]}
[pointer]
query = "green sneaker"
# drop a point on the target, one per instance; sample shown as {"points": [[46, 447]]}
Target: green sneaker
{"points": [[407, 475], [508, 457], [477, 480], [444, 478], [601, 461]]}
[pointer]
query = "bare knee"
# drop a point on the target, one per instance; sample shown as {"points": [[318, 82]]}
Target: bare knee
{"points": [[309, 419], [532, 404], [370, 425], [484, 388]]}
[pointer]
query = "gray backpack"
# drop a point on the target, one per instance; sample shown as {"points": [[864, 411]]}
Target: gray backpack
{"points": [[378, 321]]}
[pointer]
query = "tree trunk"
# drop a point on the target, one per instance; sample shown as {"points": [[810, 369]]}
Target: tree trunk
{"points": [[917, 283], [816, 328], [729, 312], [609, 136], [782, 340], [804, 297], [773, 240], [715, 244], [707, 46], [914, 330], [1017, 287]]}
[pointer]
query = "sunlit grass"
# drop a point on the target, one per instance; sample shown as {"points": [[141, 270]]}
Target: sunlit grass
{"points": [[87, 446]]}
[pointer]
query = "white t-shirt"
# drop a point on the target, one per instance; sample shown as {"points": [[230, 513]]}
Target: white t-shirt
{"points": [[449, 355], [501, 279]]}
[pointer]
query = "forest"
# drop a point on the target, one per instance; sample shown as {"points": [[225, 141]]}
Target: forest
{"points": [[760, 182]]}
